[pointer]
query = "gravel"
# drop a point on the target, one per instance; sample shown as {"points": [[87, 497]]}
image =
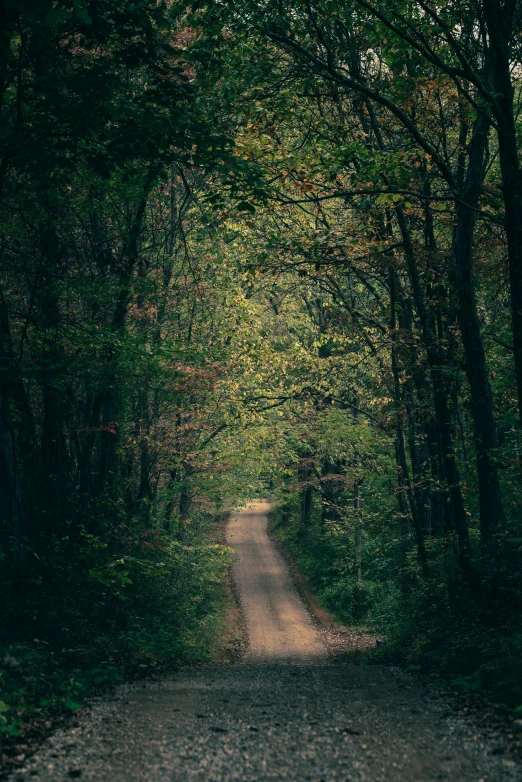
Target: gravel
{"points": [[286, 711], [254, 722]]}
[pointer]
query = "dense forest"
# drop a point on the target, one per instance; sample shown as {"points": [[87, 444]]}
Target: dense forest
{"points": [[258, 249]]}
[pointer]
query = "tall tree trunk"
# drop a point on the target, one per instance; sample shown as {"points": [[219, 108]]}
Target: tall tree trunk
{"points": [[52, 472], [305, 472], [357, 543], [111, 404], [185, 501], [12, 521], [306, 509], [11, 508], [53, 458], [87, 479], [399, 445], [435, 355], [440, 505], [500, 19], [405, 484], [358, 533], [437, 362], [404, 318], [491, 513], [146, 492]]}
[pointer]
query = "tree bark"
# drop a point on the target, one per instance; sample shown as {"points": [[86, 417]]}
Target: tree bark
{"points": [[500, 19], [437, 362], [11, 507], [399, 442], [53, 456], [111, 403], [490, 501]]}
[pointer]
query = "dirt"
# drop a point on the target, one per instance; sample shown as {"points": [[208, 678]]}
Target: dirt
{"points": [[284, 711], [278, 626]]}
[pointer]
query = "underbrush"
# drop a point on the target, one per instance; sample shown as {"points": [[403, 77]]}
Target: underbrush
{"points": [[325, 558], [80, 617], [467, 630]]}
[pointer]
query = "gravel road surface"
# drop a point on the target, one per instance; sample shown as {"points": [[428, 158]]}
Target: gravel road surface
{"points": [[282, 713]]}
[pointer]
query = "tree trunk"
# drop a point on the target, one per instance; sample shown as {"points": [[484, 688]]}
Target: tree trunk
{"points": [[306, 507], [440, 504], [500, 19], [405, 482], [438, 362], [185, 502], [404, 318], [304, 474], [358, 534], [358, 607], [111, 404], [12, 520], [11, 508], [491, 513], [400, 449], [53, 457]]}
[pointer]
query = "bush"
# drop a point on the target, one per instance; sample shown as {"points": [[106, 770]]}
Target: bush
{"points": [[469, 630], [75, 623]]}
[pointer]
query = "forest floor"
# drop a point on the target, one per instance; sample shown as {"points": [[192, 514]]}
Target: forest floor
{"points": [[286, 710]]}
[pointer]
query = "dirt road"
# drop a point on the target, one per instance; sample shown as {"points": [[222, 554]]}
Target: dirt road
{"points": [[283, 713], [279, 627]]}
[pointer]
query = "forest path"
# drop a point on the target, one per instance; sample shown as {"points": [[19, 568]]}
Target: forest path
{"points": [[283, 713], [278, 625]]}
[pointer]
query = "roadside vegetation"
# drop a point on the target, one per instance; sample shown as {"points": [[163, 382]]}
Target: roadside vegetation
{"points": [[258, 250]]}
